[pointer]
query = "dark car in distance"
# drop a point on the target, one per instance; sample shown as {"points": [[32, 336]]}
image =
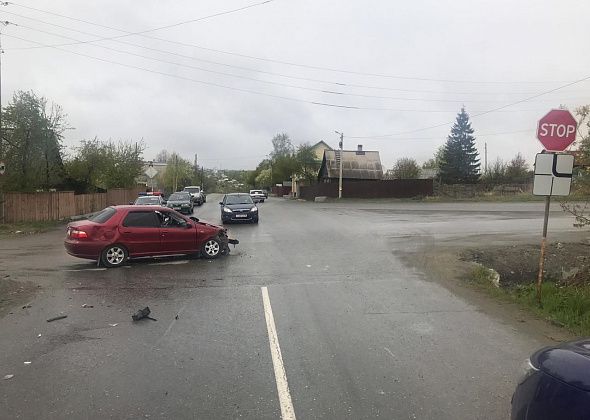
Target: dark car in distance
{"points": [[556, 384], [121, 232], [238, 207], [181, 201]]}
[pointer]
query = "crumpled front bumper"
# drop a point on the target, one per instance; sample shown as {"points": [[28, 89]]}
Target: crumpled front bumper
{"points": [[225, 241]]}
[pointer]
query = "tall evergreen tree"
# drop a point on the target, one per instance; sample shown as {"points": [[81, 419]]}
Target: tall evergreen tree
{"points": [[460, 159]]}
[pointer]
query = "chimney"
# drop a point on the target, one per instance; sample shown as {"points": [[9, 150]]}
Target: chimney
{"points": [[359, 150]]}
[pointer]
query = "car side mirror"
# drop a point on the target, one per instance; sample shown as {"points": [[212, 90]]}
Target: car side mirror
{"points": [[221, 203], [131, 203], [194, 219], [188, 226]]}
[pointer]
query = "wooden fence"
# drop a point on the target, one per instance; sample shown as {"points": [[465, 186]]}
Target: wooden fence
{"points": [[397, 188], [43, 206]]}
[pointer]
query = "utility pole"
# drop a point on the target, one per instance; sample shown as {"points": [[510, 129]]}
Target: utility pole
{"points": [[2, 209], [485, 164], [2, 24], [341, 144]]}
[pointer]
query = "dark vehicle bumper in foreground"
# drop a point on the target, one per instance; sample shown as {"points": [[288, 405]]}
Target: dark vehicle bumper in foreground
{"points": [[542, 397]]}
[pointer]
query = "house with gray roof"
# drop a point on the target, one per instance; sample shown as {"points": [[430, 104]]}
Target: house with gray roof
{"points": [[357, 165]]}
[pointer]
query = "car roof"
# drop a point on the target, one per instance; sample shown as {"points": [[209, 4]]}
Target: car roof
{"points": [[192, 186], [237, 194]]}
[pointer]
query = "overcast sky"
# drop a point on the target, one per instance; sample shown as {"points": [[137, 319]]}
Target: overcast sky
{"points": [[481, 54]]}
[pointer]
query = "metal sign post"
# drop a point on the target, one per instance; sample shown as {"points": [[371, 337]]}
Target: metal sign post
{"points": [[553, 176]]}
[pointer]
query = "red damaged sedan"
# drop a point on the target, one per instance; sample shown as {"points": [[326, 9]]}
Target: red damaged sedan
{"points": [[121, 232]]}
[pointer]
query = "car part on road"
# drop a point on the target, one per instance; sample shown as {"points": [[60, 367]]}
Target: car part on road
{"points": [[8, 376], [87, 306], [142, 313], [114, 256], [55, 318]]}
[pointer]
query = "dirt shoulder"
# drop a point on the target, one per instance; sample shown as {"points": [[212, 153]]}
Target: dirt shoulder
{"points": [[452, 265]]}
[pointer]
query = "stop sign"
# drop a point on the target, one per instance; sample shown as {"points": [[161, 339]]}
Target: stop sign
{"points": [[557, 130]]}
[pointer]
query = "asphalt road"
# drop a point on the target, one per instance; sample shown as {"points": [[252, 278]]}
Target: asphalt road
{"points": [[360, 334]]}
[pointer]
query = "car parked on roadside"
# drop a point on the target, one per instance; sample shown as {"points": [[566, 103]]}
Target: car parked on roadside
{"points": [[257, 196], [197, 194], [556, 384], [121, 232], [265, 192], [181, 202], [149, 200], [238, 207]]}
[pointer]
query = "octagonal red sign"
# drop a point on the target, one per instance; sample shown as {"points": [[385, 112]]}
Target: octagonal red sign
{"points": [[557, 130]]}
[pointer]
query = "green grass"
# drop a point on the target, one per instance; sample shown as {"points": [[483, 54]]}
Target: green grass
{"points": [[27, 228], [567, 306]]}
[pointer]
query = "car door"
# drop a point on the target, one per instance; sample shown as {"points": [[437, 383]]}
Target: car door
{"points": [[178, 235], [140, 233]]}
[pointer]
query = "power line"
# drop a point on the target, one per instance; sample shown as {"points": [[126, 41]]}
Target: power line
{"points": [[325, 104], [288, 63], [439, 137], [497, 109], [225, 12], [245, 77], [339, 84]]}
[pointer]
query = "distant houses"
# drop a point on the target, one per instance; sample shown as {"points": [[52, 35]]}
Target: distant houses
{"points": [[357, 165]]}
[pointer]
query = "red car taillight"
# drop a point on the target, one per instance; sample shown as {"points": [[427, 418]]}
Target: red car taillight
{"points": [[77, 234]]}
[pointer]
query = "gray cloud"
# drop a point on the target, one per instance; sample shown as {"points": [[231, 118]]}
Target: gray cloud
{"points": [[526, 41]]}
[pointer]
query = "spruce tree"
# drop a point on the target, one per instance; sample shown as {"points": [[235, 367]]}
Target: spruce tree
{"points": [[460, 159]]}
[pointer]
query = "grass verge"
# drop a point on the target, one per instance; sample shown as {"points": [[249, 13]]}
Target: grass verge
{"points": [[27, 228], [566, 306]]}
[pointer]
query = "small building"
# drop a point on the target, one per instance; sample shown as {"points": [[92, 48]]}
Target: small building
{"points": [[319, 149], [357, 165]]}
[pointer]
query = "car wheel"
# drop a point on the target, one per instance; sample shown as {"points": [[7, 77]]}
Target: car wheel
{"points": [[114, 256], [255, 220], [211, 248]]}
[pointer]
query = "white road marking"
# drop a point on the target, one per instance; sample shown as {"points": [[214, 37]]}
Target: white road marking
{"points": [[287, 411], [389, 351]]}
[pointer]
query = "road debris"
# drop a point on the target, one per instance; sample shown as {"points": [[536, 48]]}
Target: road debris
{"points": [[27, 363], [28, 305], [87, 306], [141, 314], [176, 317], [8, 376], [39, 336], [55, 318], [113, 325]]}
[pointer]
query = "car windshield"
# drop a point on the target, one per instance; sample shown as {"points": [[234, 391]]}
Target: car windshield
{"points": [[256, 192], [192, 190], [147, 200], [179, 197], [238, 199]]}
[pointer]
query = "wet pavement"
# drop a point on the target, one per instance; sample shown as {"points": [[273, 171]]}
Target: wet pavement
{"points": [[362, 335]]}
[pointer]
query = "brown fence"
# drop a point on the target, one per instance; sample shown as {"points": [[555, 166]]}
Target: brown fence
{"points": [[89, 203], [396, 188], [43, 206]]}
